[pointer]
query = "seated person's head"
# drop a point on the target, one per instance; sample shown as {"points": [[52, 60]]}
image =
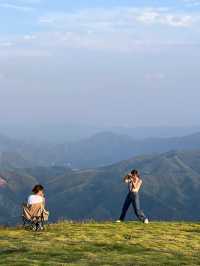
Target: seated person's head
{"points": [[38, 190]]}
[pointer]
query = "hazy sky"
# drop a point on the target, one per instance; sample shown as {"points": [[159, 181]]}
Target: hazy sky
{"points": [[100, 62]]}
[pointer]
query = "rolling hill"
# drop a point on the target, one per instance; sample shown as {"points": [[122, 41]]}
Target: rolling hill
{"points": [[170, 191]]}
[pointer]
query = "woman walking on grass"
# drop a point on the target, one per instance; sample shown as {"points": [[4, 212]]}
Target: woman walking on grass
{"points": [[134, 184]]}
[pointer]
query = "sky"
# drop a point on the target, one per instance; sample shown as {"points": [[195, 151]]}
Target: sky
{"points": [[102, 63]]}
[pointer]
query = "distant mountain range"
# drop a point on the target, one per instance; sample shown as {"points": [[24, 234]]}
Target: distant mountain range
{"points": [[170, 191], [57, 132], [108, 148], [99, 150]]}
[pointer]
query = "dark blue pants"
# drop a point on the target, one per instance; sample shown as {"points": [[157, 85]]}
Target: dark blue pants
{"points": [[133, 197]]}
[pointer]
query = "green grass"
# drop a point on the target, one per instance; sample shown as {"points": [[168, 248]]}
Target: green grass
{"points": [[74, 244]]}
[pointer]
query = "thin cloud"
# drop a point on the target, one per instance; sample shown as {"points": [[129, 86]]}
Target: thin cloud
{"points": [[31, 1], [124, 29], [117, 29], [29, 37], [119, 18], [22, 52], [174, 20], [16, 7], [6, 44], [192, 3], [48, 43], [155, 76]]}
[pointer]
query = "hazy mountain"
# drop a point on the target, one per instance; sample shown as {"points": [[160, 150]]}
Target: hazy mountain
{"points": [[7, 143], [13, 187], [25, 153], [10, 160], [170, 191], [171, 188], [70, 132], [156, 132], [99, 150], [108, 148]]}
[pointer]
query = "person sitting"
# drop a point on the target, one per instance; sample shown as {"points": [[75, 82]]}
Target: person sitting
{"points": [[34, 211]]}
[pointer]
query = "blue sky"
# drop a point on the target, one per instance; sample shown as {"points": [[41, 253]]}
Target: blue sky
{"points": [[97, 24], [22, 16], [102, 62]]}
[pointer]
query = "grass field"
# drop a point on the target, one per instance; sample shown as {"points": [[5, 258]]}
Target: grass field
{"points": [[74, 244]]}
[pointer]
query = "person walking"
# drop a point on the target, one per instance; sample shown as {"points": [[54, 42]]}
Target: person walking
{"points": [[134, 184]]}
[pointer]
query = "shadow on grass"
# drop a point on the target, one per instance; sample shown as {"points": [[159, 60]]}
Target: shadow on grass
{"points": [[196, 231], [11, 251], [8, 238], [120, 248], [139, 253], [94, 253]]}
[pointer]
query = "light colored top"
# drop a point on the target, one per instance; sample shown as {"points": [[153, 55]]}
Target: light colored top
{"points": [[34, 199]]}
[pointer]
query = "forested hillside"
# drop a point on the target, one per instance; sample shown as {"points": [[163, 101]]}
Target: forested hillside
{"points": [[170, 190]]}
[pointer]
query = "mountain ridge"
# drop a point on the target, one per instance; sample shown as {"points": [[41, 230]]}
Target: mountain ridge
{"points": [[171, 184], [101, 149]]}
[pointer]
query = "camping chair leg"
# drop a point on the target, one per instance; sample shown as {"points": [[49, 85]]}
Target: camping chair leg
{"points": [[34, 227], [42, 224], [39, 224], [24, 221]]}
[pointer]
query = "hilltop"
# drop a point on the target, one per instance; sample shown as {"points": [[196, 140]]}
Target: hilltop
{"points": [[91, 244]]}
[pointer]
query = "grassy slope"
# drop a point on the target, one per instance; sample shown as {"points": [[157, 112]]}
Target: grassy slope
{"points": [[93, 244]]}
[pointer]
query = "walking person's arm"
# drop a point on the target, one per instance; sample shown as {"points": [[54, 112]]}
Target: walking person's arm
{"points": [[127, 178], [137, 184]]}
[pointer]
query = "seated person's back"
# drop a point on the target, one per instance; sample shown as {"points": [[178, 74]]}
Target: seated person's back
{"points": [[37, 196], [34, 199], [36, 206]]}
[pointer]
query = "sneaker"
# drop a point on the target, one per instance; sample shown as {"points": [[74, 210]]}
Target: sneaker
{"points": [[118, 221], [146, 221]]}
